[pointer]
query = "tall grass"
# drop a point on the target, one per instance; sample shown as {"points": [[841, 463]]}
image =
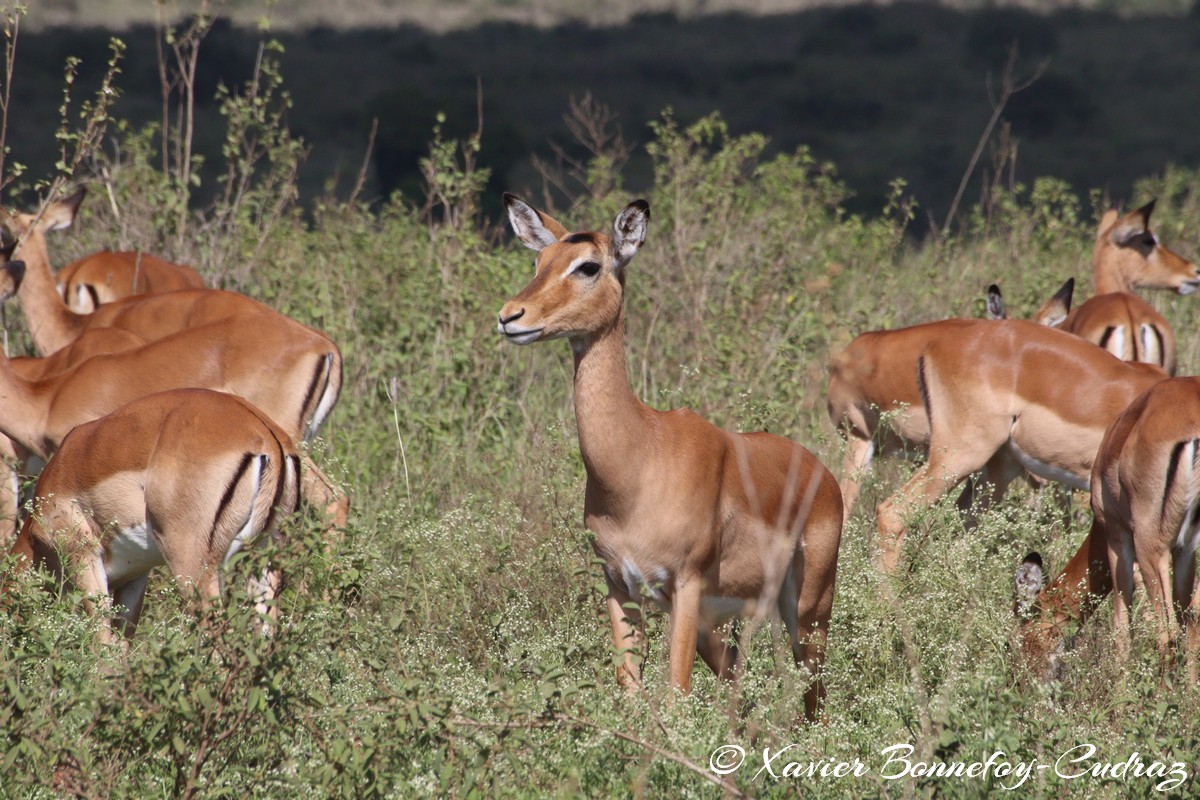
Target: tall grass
{"points": [[454, 642]]}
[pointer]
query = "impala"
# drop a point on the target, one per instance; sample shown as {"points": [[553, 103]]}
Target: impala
{"points": [[266, 359], [1037, 398], [100, 341], [185, 478], [152, 317], [1128, 255], [106, 276], [53, 326], [1146, 502], [709, 524], [877, 374]]}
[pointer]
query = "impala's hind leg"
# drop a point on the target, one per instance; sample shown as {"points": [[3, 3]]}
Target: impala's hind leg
{"points": [[805, 604]]}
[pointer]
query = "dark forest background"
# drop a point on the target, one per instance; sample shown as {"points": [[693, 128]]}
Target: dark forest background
{"points": [[903, 91]]}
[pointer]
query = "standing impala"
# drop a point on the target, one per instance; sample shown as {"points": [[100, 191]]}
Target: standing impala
{"points": [[184, 478], [877, 374], [1128, 255], [710, 524], [1146, 502], [1035, 396]]}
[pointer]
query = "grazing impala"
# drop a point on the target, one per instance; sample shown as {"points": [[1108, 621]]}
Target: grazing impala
{"points": [[1037, 397], [1146, 502], [184, 478], [1128, 255], [266, 359], [877, 374], [709, 524], [106, 276]]}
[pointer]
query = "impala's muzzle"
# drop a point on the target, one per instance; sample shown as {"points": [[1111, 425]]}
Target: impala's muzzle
{"points": [[513, 332]]}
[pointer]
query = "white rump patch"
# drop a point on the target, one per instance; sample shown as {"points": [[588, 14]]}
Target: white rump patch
{"points": [[1151, 352], [1116, 342], [246, 533]]}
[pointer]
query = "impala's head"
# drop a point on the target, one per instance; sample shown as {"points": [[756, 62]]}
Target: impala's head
{"points": [[579, 278], [15, 228], [1039, 639], [1129, 251]]}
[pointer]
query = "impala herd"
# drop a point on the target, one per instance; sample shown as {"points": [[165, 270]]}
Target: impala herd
{"points": [[169, 415], [712, 525]]}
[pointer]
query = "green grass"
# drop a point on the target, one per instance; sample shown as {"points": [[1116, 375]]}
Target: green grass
{"points": [[454, 642]]}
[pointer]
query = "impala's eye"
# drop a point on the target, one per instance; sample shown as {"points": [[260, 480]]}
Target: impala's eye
{"points": [[588, 269]]}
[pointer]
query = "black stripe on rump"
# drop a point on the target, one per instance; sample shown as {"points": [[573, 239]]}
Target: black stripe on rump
{"points": [[228, 496], [316, 388], [923, 386], [1172, 468], [1108, 332]]}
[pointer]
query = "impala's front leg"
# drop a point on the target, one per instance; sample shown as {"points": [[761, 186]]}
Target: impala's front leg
{"points": [[859, 454], [685, 614], [628, 639]]}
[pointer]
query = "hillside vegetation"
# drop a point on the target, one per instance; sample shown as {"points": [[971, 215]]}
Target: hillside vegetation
{"points": [[439, 15], [902, 90], [454, 641]]}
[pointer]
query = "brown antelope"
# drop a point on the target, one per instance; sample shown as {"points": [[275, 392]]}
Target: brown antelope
{"points": [[185, 478], [1038, 398], [106, 276], [268, 360], [877, 374], [1128, 255], [710, 524], [1146, 502], [101, 341], [152, 317], [52, 325]]}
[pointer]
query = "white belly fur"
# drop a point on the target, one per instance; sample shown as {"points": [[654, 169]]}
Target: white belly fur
{"points": [[132, 552]]}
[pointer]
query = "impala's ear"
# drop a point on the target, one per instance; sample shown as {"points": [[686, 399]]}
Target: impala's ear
{"points": [[995, 303], [629, 231], [1132, 225], [1055, 310], [61, 213], [1107, 222], [535, 228], [1145, 211], [1028, 584]]}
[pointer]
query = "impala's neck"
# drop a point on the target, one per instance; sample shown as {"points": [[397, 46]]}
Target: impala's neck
{"points": [[1105, 272], [613, 429], [1084, 582], [51, 324], [24, 410]]}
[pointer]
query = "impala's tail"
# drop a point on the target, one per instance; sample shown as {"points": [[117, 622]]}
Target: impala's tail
{"points": [[323, 391]]}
